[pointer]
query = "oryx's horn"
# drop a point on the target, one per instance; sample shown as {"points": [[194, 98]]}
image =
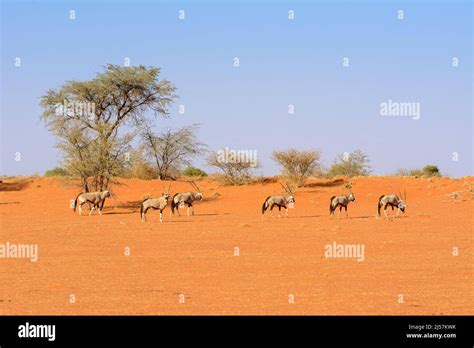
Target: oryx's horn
{"points": [[196, 187]]}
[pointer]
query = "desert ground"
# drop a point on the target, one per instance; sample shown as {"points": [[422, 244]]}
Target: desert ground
{"points": [[228, 260]]}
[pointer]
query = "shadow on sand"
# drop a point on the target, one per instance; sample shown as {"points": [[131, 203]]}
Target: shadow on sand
{"points": [[14, 186], [336, 182]]}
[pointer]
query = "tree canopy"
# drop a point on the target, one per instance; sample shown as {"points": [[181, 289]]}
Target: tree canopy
{"points": [[86, 116]]}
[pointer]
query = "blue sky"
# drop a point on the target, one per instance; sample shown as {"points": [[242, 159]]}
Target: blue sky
{"points": [[282, 62]]}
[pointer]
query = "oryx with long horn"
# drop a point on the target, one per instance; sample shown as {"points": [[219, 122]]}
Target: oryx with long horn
{"points": [[280, 201], [393, 201], [186, 198], [341, 201], [97, 199], [159, 203]]}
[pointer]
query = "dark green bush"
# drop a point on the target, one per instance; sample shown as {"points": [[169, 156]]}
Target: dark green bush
{"points": [[431, 170], [193, 171]]}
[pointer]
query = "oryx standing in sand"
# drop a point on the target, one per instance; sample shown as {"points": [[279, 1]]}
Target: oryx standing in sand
{"points": [[281, 201], [341, 201], [186, 198], [393, 201], [97, 199], [155, 203]]}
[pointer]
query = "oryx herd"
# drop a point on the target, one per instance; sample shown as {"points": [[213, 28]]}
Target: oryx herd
{"points": [[95, 200]]}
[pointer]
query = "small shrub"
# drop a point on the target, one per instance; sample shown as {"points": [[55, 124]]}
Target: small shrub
{"points": [[431, 170], [56, 171], [416, 172], [427, 172], [234, 172], [298, 165], [193, 171], [354, 164]]}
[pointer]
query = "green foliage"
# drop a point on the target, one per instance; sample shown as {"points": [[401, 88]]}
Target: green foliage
{"points": [[431, 170], [353, 164], [171, 150], [298, 165], [427, 172], [56, 171], [193, 171], [138, 168], [89, 119], [416, 172]]}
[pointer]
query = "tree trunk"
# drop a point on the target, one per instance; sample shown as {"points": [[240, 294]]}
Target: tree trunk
{"points": [[95, 183], [85, 185], [101, 183]]}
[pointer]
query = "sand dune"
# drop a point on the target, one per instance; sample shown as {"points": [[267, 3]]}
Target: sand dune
{"points": [[227, 260]]}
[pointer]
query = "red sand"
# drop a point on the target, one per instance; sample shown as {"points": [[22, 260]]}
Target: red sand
{"points": [[194, 256]]}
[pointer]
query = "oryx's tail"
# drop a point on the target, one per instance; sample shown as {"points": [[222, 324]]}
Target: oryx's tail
{"points": [[379, 205], [265, 206], [331, 208], [173, 203], [75, 201]]}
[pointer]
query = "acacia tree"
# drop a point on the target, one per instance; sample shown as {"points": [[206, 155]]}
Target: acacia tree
{"points": [[76, 148], [354, 164], [298, 165], [171, 150], [91, 143], [234, 171]]}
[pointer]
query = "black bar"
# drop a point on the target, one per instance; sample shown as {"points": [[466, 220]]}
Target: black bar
{"points": [[133, 330]]}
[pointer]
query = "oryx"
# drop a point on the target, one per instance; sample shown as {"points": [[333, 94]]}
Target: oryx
{"points": [[393, 201], [186, 198], [341, 201], [155, 203], [97, 200], [281, 201]]}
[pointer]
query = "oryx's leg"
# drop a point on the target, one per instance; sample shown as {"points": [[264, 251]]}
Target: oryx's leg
{"points": [[385, 212], [161, 216], [286, 208], [279, 211], [187, 211], [99, 209], [90, 212], [271, 210], [339, 214], [80, 208], [398, 212], [192, 208], [143, 214], [347, 215]]}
